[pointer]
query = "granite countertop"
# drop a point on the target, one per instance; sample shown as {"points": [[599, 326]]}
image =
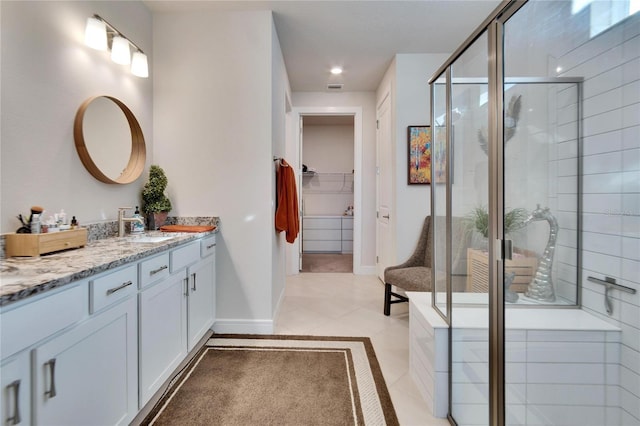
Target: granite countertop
{"points": [[21, 277]]}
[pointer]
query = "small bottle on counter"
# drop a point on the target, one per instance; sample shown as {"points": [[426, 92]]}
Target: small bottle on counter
{"points": [[74, 223], [137, 227], [35, 224]]}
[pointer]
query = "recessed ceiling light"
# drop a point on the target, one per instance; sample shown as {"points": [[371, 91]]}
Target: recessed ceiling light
{"points": [[336, 70]]}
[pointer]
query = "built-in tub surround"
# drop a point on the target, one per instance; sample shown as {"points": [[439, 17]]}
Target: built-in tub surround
{"points": [[24, 277], [562, 365]]}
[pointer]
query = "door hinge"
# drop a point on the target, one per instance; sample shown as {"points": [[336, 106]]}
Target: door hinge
{"points": [[377, 215], [377, 124], [377, 259]]}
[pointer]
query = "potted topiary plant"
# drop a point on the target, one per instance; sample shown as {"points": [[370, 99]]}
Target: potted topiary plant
{"points": [[156, 205]]}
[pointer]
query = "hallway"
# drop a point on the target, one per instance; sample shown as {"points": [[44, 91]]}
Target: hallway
{"points": [[337, 304]]}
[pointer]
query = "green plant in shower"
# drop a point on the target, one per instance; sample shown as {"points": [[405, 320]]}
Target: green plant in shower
{"points": [[478, 219]]}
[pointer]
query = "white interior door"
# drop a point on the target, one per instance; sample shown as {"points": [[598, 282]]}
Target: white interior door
{"points": [[384, 188]]}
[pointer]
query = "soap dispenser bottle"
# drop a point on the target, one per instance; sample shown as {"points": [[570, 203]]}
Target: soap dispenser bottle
{"points": [[137, 226]]}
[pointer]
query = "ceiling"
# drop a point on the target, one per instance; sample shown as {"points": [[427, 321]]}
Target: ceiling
{"points": [[361, 36]]}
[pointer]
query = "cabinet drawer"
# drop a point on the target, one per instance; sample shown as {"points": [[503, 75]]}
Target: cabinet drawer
{"points": [[326, 246], [322, 223], [208, 246], [184, 256], [347, 235], [154, 269], [347, 223], [322, 234], [113, 286], [27, 324]]}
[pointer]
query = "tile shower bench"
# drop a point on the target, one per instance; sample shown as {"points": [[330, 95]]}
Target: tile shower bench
{"points": [[551, 354]]}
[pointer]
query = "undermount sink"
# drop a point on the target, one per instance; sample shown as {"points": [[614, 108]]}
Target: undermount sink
{"points": [[149, 238]]}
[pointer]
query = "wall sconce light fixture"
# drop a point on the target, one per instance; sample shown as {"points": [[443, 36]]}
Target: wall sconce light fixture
{"points": [[100, 34]]}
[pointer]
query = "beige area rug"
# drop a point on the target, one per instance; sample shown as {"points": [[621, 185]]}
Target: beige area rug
{"points": [[278, 380], [327, 262]]}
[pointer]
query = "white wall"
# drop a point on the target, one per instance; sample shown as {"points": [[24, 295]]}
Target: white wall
{"points": [[281, 103], [213, 125], [47, 72], [408, 79], [328, 148], [365, 100]]}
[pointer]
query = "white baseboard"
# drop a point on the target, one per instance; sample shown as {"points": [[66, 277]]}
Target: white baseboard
{"points": [[365, 270], [238, 326]]}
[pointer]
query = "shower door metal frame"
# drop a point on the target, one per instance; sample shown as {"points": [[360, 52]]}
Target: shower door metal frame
{"points": [[494, 25]]}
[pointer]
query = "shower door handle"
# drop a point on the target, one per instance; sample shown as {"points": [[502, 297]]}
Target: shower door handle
{"points": [[508, 250]]}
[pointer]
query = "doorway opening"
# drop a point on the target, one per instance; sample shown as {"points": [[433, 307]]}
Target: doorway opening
{"points": [[327, 192]]}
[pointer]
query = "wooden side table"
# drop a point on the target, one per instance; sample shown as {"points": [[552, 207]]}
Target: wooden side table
{"points": [[524, 264]]}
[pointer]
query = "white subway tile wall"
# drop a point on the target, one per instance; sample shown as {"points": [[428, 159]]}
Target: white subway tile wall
{"points": [[610, 65]]}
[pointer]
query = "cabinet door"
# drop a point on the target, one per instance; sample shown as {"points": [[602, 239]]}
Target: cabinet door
{"points": [[15, 378], [163, 332], [202, 299], [88, 375]]}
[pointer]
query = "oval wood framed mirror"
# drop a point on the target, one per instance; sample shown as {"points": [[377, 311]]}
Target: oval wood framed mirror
{"points": [[109, 140]]}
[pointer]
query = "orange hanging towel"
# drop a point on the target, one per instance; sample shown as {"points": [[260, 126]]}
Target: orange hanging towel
{"points": [[287, 199]]}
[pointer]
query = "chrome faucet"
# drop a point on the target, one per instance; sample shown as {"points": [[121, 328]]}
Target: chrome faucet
{"points": [[122, 220]]}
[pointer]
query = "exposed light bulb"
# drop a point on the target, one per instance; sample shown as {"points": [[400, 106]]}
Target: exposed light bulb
{"points": [[95, 34], [139, 66], [120, 53], [336, 70]]}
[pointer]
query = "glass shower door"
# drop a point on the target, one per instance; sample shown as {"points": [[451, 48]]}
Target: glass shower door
{"points": [[467, 235], [439, 195]]}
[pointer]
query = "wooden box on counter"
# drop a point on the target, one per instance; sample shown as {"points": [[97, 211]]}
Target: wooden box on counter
{"points": [[34, 245]]}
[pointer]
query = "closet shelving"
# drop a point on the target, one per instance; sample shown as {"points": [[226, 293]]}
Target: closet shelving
{"points": [[327, 183]]}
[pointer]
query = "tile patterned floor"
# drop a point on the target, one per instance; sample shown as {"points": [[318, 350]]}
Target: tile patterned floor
{"points": [[340, 304]]}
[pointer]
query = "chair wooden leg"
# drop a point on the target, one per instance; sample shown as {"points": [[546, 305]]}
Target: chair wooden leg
{"points": [[387, 299]]}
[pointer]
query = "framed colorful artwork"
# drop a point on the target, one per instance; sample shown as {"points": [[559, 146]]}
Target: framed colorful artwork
{"points": [[419, 148]]}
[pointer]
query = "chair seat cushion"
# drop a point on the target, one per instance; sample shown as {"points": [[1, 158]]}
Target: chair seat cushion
{"points": [[417, 278]]}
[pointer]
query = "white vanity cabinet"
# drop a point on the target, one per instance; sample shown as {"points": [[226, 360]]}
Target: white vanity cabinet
{"points": [[202, 293], [73, 353], [163, 338], [23, 326], [175, 312], [94, 351], [15, 408], [88, 375]]}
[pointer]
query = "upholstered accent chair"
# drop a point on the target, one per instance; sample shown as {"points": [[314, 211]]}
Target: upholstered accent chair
{"points": [[412, 275]]}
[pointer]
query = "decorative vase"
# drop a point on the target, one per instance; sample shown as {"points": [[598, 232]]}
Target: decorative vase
{"points": [[156, 220]]}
